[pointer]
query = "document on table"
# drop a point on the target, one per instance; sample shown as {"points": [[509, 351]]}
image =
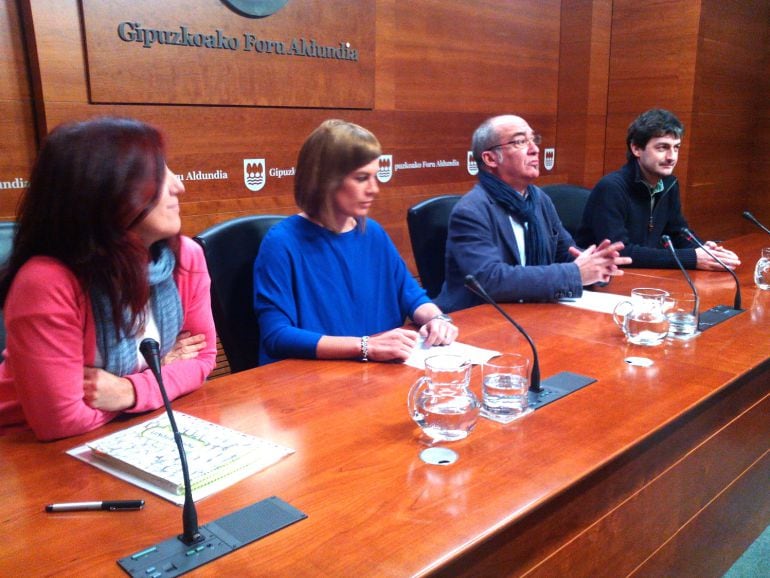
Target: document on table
{"points": [[476, 355], [146, 455], [596, 301]]}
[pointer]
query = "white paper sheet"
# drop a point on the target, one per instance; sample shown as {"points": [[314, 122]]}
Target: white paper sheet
{"points": [[596, 301], [476, 355]]}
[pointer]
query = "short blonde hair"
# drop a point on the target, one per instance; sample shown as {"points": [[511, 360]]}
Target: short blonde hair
{"points": [[331, 152]]}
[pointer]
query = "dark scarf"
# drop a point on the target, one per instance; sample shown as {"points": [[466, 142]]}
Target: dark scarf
{"points": [[525, 211], [119, 353]]}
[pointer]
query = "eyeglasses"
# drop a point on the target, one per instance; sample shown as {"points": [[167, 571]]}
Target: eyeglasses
{"points": [[520, 142]]}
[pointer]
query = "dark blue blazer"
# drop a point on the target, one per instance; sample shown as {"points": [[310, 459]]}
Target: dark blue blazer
{"points": [[481, 243]]}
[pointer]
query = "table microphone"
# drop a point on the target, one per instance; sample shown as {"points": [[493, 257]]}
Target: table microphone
{"points": [[198, 546], [150, 350], [691, 237], [753, 219], [670, 246], [473, 285]]}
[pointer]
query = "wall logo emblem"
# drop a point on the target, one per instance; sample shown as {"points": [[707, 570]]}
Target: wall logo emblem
{"points": [[254, 174], [473, 168], [255, 8], [386, 168], [549, 158]]}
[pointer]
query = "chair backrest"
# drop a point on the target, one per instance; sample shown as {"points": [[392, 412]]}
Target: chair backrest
{"points": [[569, 200], [7, 231], [428, 222], [231, 248]]}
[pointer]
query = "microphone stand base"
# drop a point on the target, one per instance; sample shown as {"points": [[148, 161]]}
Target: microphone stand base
{"points": [[716, 315], [556, 387], [173, 557]]}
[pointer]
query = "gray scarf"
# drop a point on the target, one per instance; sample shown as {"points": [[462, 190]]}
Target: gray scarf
{"points": [[118, 352]]}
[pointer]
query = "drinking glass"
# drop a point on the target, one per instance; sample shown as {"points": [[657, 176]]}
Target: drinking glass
{"points": [[505, 387], [682, 314], [762, 270]]}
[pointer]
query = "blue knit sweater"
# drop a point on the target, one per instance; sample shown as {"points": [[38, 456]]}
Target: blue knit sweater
{"points": [[310, 282]]}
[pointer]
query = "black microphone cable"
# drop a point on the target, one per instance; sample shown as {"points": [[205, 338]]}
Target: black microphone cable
{"points": [[668, 244], [753, 219], [150, 350], [473, 285], [691, 237]]}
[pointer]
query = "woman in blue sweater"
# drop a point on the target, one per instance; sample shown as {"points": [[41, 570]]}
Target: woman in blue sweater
{"points": [[329, 283]]}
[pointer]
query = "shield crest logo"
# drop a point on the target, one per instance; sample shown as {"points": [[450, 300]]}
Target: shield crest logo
{"points": [[254, 174], [549, 158], [473, 168], [386, 168]]}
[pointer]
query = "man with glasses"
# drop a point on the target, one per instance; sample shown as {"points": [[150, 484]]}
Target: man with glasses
{"points": [[505, 231], [640, 203]]}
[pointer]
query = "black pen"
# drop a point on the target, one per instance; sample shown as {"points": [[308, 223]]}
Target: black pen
{"points": [[109, 505]]}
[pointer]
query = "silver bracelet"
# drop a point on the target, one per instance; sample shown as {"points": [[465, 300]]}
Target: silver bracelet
{"points": [[365, 348], [443, 317]]}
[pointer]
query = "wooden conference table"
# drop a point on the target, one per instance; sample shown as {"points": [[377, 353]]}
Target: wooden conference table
{"points": [[659, 471]]}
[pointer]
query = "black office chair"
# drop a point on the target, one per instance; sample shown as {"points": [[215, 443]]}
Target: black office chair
{"points": [[230, 248], [428, 222], [7, 231], [569, 200]]}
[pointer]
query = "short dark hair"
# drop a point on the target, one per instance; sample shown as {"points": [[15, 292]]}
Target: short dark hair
{"points": [[650, 124], [330, 153]]}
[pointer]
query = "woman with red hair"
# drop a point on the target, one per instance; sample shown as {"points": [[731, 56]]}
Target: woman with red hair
{"points": [[98, 264]]}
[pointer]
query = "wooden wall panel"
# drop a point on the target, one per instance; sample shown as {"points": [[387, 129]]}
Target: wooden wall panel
{"points": [[14, 82], [477, 56], [725, 107], [759, 174], [578, 70], [720, 166], [431, 92], [652, 56], [652, 64], [385, 58], [17, 137], [55, 45], [583, 75]]}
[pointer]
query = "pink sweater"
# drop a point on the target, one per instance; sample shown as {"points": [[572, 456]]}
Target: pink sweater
{"points": [[52, 337]]}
